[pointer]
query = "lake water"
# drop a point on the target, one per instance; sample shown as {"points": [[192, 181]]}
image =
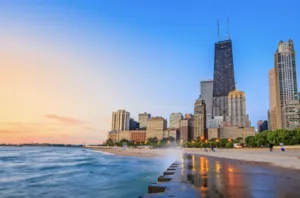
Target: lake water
{"points": [[74, 172]]}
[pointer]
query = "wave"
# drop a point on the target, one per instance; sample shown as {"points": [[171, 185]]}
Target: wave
{"points": [[104, 153]]}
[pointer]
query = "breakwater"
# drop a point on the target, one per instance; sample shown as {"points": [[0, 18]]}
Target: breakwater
{"points": [[173, 182]]}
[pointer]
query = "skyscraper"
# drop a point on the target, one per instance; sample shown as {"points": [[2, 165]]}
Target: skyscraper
{"points": [[120, 120], [143, 119], [286, 77], [262, 126], [199, 118], [206, 90], [237, 109], [273, 89], [224, 81], [175, 120]]}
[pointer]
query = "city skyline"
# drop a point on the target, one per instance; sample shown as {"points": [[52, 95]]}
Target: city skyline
{"points": [[67, 67]]}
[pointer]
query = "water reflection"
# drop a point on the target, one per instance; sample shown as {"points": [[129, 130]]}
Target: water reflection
{"points": [[228, 178]]}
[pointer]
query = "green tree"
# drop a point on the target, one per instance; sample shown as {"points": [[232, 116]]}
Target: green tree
{"points": [[229, 145], [238, 140], [152, 141], [261, 142], [188, 145], [198, 145], [250, 141], [109, 142], [223, 142], [273, 137]]}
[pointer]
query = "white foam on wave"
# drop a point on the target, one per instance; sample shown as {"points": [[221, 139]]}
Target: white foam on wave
{"points": [[104, 153]]}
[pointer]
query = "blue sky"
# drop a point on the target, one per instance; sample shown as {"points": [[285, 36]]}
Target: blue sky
{"points": [[100, 56]]}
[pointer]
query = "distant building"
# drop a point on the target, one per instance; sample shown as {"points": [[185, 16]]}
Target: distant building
{"points": [[206, 91], [259, 123], [237, 109], [236, 132], [184, 130], [138, 136], [114, 136], [135, 136], [274, 117], [213, 133], [230, 132], [133, 124], [199, 118], [170, 132], [143, 119], [269, 125], [120, 120], [156, 127], [188, 116], [124, 135], [191, 130], [216, 122], [291, 115], [262, 126], [175, 119]]}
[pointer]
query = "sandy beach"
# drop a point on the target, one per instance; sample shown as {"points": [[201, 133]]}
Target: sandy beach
{"points": [[138, 152], [288, 159]]}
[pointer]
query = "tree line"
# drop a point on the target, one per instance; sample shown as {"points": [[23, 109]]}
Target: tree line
{"points": [[263, 139], [172, 142], [287, 137]]}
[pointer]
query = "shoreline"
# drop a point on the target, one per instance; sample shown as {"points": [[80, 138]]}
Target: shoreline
{"points": [[127, 152], [288, 159]]}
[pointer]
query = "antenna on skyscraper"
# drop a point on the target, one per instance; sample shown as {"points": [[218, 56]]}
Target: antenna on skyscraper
{"points": [[228, 37], [218, 25]]}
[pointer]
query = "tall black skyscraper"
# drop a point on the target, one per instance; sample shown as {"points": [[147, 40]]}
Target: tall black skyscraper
{"points": [[223, 77]]}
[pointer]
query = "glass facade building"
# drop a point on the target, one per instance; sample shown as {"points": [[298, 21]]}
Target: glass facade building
{"points": [[224, 81]]}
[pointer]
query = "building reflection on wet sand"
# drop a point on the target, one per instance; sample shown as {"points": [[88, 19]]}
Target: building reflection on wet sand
{"points": [[216, 177]]}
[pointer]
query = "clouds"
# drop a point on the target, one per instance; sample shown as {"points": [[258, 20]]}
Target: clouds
{"points": [[65, 120], [63, 130]]}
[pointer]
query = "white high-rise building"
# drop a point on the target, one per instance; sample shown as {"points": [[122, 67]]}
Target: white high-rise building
{"points": [[175, 120], [286, 77], [120, 120]]}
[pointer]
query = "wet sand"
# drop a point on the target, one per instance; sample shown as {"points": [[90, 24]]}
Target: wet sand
{"points": [[288, 159], [221, 177], [213, 177], [138, 152]]}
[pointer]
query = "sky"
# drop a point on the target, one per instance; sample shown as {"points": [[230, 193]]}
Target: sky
{"points": [[65, 66]]}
